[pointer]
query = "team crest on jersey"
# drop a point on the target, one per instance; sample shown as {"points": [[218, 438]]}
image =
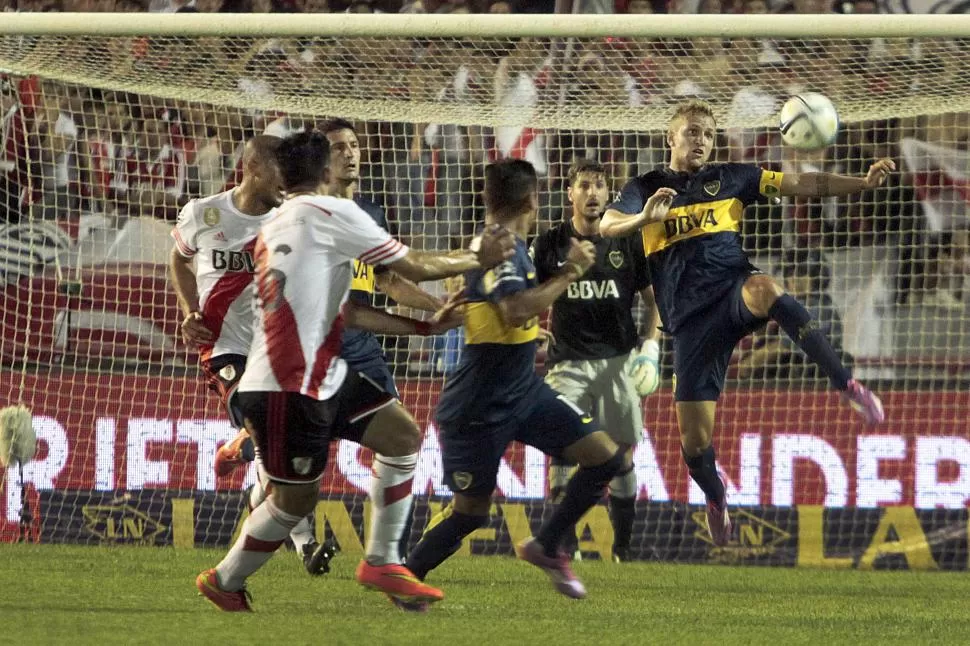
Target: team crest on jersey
{"points": [[462, 479], [712, 188], [228, 373], [616, 259], [210, 216], [302, 465]]}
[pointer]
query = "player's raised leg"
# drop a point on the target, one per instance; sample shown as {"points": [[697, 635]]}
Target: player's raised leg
{"points": [[766, 299]]}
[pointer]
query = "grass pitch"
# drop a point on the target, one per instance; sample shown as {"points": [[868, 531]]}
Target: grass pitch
{"points": [[128, 595]]}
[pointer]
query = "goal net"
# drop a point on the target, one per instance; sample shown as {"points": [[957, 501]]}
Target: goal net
{"points": [[108, 130]]}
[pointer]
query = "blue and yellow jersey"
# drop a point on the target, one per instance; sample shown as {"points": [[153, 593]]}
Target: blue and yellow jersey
{"points": [[360, 346], [496, 376], [695, 255]]}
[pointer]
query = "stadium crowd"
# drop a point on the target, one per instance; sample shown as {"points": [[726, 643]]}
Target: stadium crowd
{"points": [[69, 150]]}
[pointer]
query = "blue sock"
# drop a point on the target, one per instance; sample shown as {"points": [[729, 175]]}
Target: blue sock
{"points": [[584, 490], [798, 324], [441, 541], [703, 470]]}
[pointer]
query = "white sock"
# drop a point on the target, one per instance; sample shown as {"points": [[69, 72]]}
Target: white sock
{"points": [[262, 533], [302, 534], [390, 497]]}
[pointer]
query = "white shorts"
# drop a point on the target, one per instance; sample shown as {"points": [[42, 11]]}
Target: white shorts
{"points": [[601, 387]]}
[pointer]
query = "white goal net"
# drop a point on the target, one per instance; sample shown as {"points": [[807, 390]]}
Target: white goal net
{"points": [[108, 130]]}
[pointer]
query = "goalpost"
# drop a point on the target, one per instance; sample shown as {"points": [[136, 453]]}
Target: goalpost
{"points": [[111, 121]]}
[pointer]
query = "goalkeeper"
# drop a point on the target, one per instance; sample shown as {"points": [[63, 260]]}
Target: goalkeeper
{"points": [[594, 338]]}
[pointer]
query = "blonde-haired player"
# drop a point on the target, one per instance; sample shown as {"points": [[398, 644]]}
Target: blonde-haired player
{"points": [[709, 294]]}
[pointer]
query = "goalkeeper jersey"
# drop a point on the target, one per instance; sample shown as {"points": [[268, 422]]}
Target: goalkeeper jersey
{"points": [[593, 318]]}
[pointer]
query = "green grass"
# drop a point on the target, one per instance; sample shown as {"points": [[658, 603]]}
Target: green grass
{"points": [[125, 595]]}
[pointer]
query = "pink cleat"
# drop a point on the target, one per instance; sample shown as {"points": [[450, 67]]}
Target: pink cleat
{"points": [[562, 576], [719, 522], [864, 402]]}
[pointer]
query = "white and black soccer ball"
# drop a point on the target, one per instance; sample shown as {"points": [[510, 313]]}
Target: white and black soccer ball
{"points": [[809, 121]]}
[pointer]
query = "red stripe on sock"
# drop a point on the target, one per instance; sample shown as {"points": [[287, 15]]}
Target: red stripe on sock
{"points": [[256, 545], [397, 492]]}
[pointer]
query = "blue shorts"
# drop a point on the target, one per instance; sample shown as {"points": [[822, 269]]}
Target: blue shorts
{"points": [[378, 371], [471, 452], [703, 345]]}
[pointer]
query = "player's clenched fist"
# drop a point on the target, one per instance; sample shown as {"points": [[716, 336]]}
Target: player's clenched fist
{"points": [[879, 171], [658, 204], [581, 256], [495, 245], [194, 330]]}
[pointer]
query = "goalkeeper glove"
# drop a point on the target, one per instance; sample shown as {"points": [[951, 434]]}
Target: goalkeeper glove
{"points": [[644, 369]]}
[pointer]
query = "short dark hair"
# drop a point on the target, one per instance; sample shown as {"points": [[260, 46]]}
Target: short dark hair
{"points": [[303, 158], [509, 186], [583, 165], [333, 125]]}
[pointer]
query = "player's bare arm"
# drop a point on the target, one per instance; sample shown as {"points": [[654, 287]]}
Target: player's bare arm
{"points": [[406, 293], [378, 321], [193, 329], [616, 224], [651, 322], [518, 308], [495, 245], [832, 185]]}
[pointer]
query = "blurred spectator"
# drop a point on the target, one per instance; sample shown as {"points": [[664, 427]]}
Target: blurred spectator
{"points": [[107, 136], [155, 172], [13, 150], [499, 6], [52, 144]]}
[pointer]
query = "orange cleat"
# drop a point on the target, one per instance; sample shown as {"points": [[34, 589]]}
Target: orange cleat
{"points": [[208, 585], [397, 581], [234, 454]]}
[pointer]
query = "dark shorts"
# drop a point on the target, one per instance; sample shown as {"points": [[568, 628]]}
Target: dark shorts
{"points": [[292, 432], [704, 343], [471, 452], [376, 368], [223, 374]]}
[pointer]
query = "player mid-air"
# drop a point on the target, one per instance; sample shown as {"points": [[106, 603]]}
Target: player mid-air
{"points": [[494, 397], [709, 294], [359, 348], [592, 357], [297, 394]]}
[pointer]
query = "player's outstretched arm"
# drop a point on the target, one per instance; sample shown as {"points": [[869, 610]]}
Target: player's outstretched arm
{"points": [[832, 185], [364, 317], [406, 293], [616, 224], [516, 309], [187, 292], [495, 245]]}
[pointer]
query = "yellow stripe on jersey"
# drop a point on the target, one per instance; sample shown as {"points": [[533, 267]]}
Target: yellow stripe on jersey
{"points": [[770, 184], [685, 222], [484, 324], [363, 280]]}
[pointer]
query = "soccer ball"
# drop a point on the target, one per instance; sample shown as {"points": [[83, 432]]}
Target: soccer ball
{"points": [[809, 121]]}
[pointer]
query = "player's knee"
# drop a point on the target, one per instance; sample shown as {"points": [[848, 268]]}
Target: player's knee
{"points": [[603, 473], [475, 506], [298, 500], [624, 484], [393, 432], [759, 293]]}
